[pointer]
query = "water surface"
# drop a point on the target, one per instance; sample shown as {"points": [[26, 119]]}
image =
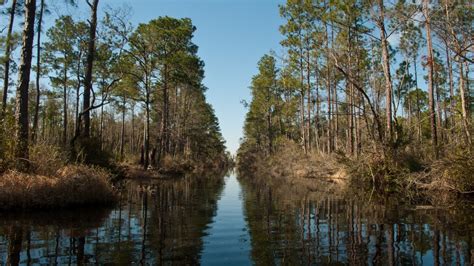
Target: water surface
{"points": [[231, 221]]}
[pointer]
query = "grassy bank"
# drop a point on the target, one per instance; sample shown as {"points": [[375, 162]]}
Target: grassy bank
{"points": [[401, 173], [52, 182], [72, 185]]}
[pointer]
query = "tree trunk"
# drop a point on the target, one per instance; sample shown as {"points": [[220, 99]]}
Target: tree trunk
{"points": [[308, 102], [451, 89], [89, 65], [386, 70], [302, 111], [38, 72], [146, 133], [21, 117], [122, 133], [132, 137], [463, 102], [439, 125], [8, 48], [329, 89], [318, 108], [65, 120], [418, 107], [434, 135], [165, 117], [78, 91]]}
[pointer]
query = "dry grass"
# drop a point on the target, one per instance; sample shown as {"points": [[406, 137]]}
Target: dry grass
{"points": [[453, 173], [46, 159], [289, 164], [71, 185]]}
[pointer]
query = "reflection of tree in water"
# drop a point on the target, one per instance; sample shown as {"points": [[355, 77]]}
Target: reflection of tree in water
{"points": [[291, 226], [156, 222]]}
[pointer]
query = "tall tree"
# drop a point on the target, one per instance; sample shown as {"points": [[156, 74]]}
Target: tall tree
{"points": [[380, 21], [21, 117], [89, 67], [38, 71], [8, 50], [431, 92], [59, 56]]}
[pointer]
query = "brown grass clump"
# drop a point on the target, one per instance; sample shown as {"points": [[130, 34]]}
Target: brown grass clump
{"points": [[71, 186], [453, 173]]}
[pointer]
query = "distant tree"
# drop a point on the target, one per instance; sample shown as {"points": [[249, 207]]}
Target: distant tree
{"points": [[59, 57]]}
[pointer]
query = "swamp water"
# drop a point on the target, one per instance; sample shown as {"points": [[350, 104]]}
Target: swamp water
{"points": [[226, 221]]}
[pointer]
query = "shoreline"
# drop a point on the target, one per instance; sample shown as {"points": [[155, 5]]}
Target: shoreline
{"points": [[438, 183]]}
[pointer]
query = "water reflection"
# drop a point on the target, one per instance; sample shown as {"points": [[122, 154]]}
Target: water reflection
{"points": [[204, 221], [291, 226], [155, 223]]}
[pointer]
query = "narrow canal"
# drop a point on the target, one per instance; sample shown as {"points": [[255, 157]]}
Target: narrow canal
{"points": [[230, 221]]}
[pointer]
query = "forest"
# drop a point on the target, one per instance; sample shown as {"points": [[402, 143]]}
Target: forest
{"points": [[381, 89], [85, 94]]}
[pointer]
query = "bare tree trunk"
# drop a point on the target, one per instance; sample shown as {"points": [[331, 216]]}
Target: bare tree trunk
{"points": [[451, 89], [146, 132], [302, 90], [38, 72], [65, 118], [386, 70], [164, 149], [434, 135], [21, 117], [8, 48], [438, 113], [330, 122], [78, 91], [418, 107], [101, 127], [450, 73], [463, 102], [89, 65], [308, 91], [122, 133], [336, 113], [303, 127], [318, 108], [132, 137]]}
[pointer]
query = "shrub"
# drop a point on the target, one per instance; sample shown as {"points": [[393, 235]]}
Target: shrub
{"points": [[46, 159], [176, 165], [454, 172]]}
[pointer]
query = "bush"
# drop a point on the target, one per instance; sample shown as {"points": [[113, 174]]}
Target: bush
{"points": [[175, 165], [46, 159], [71, 185]]}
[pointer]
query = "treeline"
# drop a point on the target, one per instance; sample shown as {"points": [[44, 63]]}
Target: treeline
{"points": [[348, 81], [115, 91]]}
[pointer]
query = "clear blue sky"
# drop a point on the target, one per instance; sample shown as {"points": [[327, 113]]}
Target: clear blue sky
{"points": [[232, 35]]}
